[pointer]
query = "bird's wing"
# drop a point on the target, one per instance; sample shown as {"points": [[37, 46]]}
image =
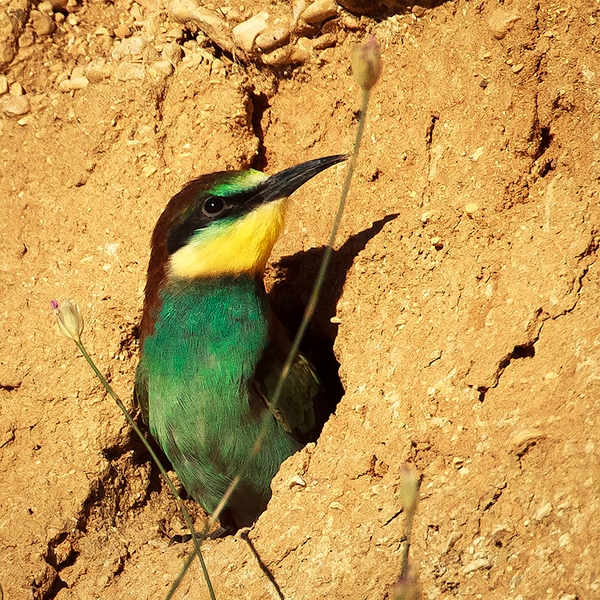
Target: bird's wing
{"points": [[140, 390], [301, 392]]}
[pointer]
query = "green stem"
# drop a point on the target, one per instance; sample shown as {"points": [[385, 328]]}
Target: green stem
{"points": [[320, 280], [168, 481], [312, 302], [408, 525]]}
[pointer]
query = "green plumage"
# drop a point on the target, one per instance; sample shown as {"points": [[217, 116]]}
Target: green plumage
{"points": [[212, 354], [206, 405]]}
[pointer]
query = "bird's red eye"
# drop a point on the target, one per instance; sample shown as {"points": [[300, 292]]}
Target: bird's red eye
{"points": [[213, 206]]}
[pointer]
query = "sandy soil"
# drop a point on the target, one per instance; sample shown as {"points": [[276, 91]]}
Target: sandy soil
{"points": [[464, 294]]}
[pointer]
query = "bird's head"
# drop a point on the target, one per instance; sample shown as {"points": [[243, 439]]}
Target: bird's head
{"points": [[223, 224], [227, 223]]}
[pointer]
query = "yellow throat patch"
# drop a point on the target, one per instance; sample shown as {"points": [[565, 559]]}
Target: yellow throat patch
{"points": [[232, 247]]}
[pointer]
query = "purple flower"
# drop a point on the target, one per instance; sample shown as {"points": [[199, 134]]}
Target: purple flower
{"points": [[366, 62]]}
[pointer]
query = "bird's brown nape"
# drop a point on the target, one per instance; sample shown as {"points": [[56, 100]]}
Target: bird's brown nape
{"points": [[156, 277]]}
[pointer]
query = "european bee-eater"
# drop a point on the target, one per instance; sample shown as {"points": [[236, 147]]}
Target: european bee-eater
{"points": [[211, 352]]}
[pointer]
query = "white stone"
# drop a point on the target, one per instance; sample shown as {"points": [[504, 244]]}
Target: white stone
{"points": [[320, 11], [172, 52], [14, 106], [97, 71], [273, 38], [297, 481], [75, 83], [128, 71], [245, 33], [476, 565], [501, 22], [543, 511], [42, 23], [16, 89], [132, 46], [164, 67]]}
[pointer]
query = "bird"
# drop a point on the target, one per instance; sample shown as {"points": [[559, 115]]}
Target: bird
{"points": [[211, 349]]}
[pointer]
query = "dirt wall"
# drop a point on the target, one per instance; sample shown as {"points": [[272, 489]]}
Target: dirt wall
{"points": [[463, 304]]}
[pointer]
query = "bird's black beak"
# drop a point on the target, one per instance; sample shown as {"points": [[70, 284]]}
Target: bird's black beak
{"points": [[285, 183]]}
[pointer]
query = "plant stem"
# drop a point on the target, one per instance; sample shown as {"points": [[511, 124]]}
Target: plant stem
{"points": [[312, 302], [168, 481]]}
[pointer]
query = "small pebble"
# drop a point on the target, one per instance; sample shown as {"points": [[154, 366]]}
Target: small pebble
{"points": [[351, 22], [175, 33], [164, 67], [104, 31], [78, 71], [476, 565], [471, 208], [46, 7], [14, 106], [517, 68], [300, 52], [501, 22], [278, 57], [3, 84], [42, 23], [477, 154], [234, 16], [98, 70], [273, 38], [324, 41], [16, 89], [331, 26], [172, 52], [128, 71], [122, 31], [217, 67], [150, 169], [297, 9], [564, 540], [75, 83], [297, 481], [543, 511], [27, 38], [132, 46], [320, 11], [72, 20], [246, 33], [418, 11]]}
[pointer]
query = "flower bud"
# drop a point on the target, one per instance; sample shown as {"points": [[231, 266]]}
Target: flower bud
{"points": [[366, 62], [409, 488], [69, 319]]}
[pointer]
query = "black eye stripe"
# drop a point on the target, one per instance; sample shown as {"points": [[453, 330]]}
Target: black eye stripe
{"points": [[209, 208]]}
